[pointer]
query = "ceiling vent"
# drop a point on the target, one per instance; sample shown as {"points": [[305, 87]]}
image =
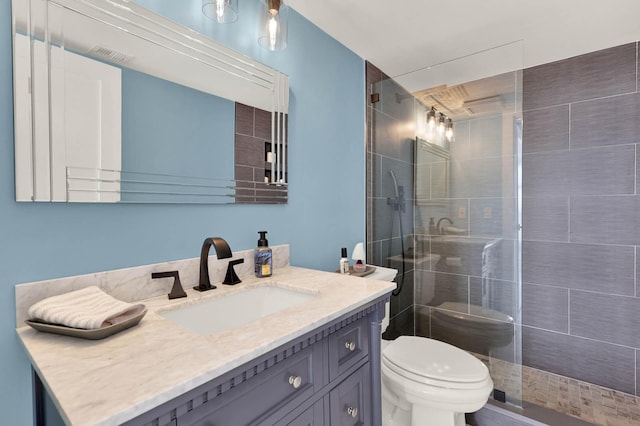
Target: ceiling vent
{"points": [[110, 55], [488, 105]]}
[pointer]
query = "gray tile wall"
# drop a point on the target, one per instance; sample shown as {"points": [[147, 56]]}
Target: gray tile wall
{"points": [[581, 217]]}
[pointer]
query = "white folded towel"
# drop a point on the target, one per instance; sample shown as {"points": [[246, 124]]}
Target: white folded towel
{"points": [[89, 308]]}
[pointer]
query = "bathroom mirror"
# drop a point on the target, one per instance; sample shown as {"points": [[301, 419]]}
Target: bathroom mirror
{"points": [[431, 173], [114, 103]]}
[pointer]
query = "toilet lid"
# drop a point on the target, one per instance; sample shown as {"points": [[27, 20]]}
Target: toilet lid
{"points": [[421, 358]]}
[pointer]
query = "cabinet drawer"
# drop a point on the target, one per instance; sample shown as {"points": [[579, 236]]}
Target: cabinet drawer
{"points": [[261, 399], [350, 401], [347, 346]]}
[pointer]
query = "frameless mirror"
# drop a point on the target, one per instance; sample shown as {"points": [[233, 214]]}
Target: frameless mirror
{"points": [[114, 103]]}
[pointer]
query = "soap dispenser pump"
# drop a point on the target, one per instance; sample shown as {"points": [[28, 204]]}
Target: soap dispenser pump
{"points": [[263, 257]]}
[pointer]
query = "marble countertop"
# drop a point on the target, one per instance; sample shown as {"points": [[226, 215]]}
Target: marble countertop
{"points": [[114, 380]]}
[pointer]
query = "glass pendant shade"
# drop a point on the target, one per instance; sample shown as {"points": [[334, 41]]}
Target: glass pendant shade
{"points": [[449, 130], [274, 25], [221, 11], [431, 117]]}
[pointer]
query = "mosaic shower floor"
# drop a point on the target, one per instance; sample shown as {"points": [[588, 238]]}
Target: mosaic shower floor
{"points": [[586, 401]]}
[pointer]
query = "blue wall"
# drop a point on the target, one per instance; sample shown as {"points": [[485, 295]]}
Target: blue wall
{"points": [[326, 207]]}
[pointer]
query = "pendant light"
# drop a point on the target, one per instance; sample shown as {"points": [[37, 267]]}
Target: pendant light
{"points": [[449, 130], [431, 117], [273, 26], [221, 11]]}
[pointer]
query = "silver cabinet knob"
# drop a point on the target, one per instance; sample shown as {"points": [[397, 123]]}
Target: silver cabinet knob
{"points": [[352, 411], [295, 381], [351, 345]]}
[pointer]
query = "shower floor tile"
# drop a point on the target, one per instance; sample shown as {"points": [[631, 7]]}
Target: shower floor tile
{"points": [[586, 401]]}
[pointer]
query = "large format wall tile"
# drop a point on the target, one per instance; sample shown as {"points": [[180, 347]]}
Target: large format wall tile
{"points": [[249, 151], [545, 218], [396, 101], [385, 137], [637, 372], [481, 178], [495, 296], [601, 363], [598, 74], [433, 289], [593, 171], [546, 129], [492, 217], [244, 119], [581, 266], [400, 325], [609, 121], [486, 136], [605, 317], [423, 321], [605, 220], [404, 174], [545, 307], [404, 298]]}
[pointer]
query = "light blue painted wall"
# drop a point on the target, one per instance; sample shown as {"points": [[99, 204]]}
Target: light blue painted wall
{"points": [[326, 209]]}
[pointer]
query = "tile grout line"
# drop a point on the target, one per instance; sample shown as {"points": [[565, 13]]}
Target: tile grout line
{"points": [[569, 312]]}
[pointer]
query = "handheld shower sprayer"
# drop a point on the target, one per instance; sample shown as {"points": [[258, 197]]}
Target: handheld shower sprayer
{"points": [[395, 181], [397, 204]]}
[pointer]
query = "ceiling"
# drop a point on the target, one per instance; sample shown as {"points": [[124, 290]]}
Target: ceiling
{"points": [[402, 36]]}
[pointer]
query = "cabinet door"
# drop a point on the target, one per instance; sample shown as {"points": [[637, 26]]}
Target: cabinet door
{"points": [[351, 401]]}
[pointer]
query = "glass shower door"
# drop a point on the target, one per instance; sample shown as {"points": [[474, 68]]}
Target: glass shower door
{"points": [[460, 258]]}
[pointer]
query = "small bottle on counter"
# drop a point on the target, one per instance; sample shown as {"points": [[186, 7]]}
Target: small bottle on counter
{"points": [[344, 262], [432, 227], [262, 257]]}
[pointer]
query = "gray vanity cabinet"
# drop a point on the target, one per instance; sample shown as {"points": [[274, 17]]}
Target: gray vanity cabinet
{"points": [[328, 377]]}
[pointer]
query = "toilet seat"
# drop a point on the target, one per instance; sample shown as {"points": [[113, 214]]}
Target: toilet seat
{"points": [[434, 363]]}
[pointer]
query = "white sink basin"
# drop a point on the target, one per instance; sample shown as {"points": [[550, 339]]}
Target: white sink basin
{"points": [[228, 312]]}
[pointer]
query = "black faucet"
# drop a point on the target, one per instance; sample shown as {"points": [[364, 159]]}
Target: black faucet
{"points": [[223, 251], [439, 228]]}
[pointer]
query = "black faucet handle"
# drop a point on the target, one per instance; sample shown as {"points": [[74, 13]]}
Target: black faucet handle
{"points": [[231, 278], [176, 290]]}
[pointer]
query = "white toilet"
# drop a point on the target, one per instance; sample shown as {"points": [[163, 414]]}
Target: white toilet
{"points": [[426, 382]]}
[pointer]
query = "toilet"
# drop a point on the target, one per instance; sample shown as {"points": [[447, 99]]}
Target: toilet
{"points": [[426, 382]]}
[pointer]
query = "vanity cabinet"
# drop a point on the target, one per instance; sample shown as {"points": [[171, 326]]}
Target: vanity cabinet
{"points": [[330, 376]]}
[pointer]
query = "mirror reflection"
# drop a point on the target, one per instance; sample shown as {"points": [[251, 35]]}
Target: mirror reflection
{"points": [[116, 104]]}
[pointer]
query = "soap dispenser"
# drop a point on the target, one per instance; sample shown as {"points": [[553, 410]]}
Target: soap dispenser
{"points": [[433, 230], [262, 257]]}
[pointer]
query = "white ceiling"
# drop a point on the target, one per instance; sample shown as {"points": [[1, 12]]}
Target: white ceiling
{"points": [[400, 36]]}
